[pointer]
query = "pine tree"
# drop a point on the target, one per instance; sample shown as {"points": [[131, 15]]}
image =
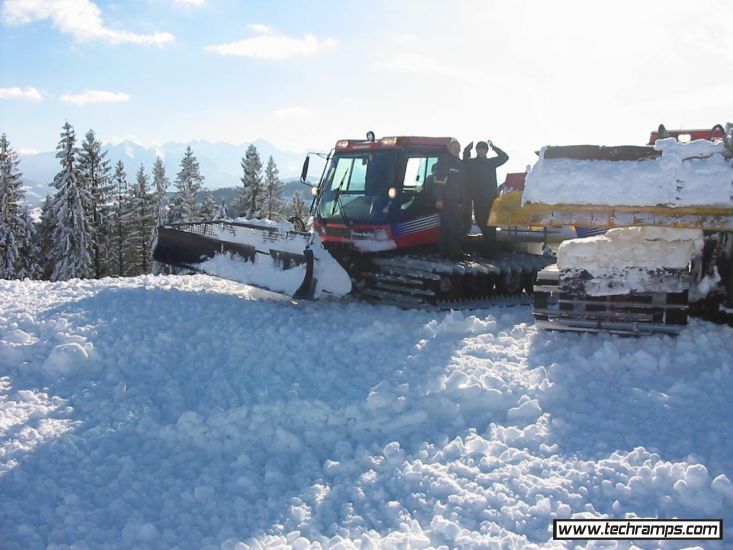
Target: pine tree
{"points": [[208, 210], [95, 175], [139, 220], [188, 183], [71, 238], [249, 201], [118, 218], [160, 186], [272, 205], [162, 214], [221, 213], [45, 242], [297, 207], [29, 247], [18, 253]]}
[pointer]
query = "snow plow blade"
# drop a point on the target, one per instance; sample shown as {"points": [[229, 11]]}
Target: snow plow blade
{"points": [[265, 256]]}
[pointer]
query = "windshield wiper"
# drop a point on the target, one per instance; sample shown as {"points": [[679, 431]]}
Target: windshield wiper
{"points": [[337, 201]]}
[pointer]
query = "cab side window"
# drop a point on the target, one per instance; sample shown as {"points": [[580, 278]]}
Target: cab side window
{"points": [[417, 172]]}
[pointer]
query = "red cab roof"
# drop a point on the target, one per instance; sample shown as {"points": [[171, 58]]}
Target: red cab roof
{"points": [[393, 142]]}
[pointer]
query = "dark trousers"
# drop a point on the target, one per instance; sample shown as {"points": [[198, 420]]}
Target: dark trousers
{"points": [[481, 209], [451, 230]]}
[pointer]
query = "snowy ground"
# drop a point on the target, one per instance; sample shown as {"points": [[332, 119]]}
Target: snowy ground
{"points": [[190, 412]]}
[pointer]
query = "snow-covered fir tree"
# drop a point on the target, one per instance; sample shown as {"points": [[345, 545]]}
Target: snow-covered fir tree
{"points": [[118, 219], [208, 209], [249, 202], [95, 175], [297, 208], [272, 205], [45, 243], [72, 243], [221, 213], [19, 256], [160, 203], [139, 220], [30, 247], [188, 184], [160, 187]]}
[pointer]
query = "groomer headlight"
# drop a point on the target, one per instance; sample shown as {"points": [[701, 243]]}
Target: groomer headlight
{"points": [[314, 191], [392, 193]]}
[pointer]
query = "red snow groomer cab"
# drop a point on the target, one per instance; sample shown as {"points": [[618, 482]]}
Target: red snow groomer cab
{"points": [[377, 195]]}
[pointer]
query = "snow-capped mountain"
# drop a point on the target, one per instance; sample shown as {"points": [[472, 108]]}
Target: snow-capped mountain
{"points": [[219, 162]]}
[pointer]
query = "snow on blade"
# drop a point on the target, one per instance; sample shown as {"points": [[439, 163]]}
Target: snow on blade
{"points": [[330, 276], [189, 415], [261, 274], [686, 174]]}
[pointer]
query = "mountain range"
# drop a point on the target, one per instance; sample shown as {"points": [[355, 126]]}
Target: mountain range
{"points": [[219, 163]]}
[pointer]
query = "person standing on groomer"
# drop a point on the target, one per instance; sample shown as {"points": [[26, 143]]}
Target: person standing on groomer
{"points": [[481, 185], [450, 198]]}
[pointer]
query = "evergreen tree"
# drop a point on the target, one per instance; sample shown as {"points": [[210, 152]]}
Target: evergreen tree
{"points": [[272, 205], [249, 202], [45, 243], [18, 254], [297, 207], [188, 184], [72, 246], [160, 186], [29, 247], [95, 175], [139, 221], [208, 210], [118, 219], [160, 203], [221, 213]]}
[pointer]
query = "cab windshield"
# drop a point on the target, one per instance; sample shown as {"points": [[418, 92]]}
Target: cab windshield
{"points": [[356, 187]]}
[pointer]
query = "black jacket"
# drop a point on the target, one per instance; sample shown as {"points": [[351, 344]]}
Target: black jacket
{"points": [[450, 181], [481, 172]]}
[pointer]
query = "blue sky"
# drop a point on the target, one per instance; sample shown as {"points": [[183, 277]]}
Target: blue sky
{"points": [[303, 74]]}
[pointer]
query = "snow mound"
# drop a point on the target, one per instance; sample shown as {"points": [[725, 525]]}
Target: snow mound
{"points": [[686, 174], [69, 359]]}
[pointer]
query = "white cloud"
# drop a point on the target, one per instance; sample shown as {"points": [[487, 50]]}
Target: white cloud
{"points": [[293, 111], [274, 47], [27, 152], [190, 3], [95, 96], [260, 28], [81, 18], [28, 94], [417, 63]]}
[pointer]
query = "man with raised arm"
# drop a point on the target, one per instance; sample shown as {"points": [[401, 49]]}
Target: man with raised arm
{"points": [[481, 185]]}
